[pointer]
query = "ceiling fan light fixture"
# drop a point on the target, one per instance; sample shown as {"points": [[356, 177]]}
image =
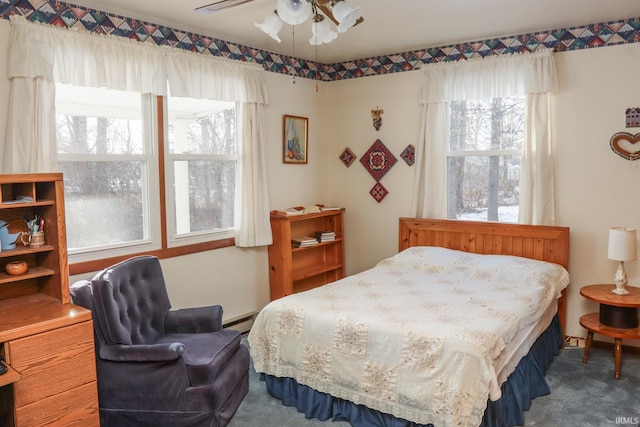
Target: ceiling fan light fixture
{"points": [[271, 25], [321, 31], [346, 15], [325, 13], [293, 12]]}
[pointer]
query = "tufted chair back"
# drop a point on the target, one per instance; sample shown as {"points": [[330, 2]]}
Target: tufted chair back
{"points": [[133, 301], [81, 295]]}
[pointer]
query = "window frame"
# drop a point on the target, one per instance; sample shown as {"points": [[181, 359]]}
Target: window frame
{"points": [[450, 154], [174, 239], [163, 250], [151, 240]]}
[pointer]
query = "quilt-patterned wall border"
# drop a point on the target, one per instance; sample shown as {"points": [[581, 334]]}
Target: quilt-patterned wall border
{"points": [[69, 15]]}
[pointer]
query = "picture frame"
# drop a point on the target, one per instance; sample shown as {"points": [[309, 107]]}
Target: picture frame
{"points": [[295, 139]]}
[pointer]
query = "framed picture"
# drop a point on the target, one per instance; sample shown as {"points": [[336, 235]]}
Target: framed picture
{"points": [[295, 132]]}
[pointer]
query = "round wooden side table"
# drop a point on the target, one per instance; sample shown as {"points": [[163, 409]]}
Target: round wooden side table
{"points": [[618, 318]]}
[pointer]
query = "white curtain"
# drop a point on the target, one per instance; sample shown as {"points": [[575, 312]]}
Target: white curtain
{"points": [[31, 134], [41, 55], [530, 75], [255, 192], [227, 82]]}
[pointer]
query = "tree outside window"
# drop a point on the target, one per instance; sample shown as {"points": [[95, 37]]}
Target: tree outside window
{"points": [[483, 159], [104, 160]]}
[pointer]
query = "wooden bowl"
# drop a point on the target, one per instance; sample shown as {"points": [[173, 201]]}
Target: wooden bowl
{"points": [[16, 268]]}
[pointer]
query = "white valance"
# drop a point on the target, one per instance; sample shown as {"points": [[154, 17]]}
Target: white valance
{"points": [[50, 52], [38, 50], [531, 76], [213, 79], [500, 76], [41, 55]]}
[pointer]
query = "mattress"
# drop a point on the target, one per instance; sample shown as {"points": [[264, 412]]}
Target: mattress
{"points": [[427, 335]]}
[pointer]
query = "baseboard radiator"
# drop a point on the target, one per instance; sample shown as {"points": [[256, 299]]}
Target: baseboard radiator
{"points": [[242, 323]]}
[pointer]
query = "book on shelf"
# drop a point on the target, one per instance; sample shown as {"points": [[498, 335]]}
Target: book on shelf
{"points": [[312, 209], [297, 210], [305, 241], [304, 245], [325, 236], [324, 208]]}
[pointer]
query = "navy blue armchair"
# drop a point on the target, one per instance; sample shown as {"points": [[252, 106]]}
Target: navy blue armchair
{"points": [[157, 366]]}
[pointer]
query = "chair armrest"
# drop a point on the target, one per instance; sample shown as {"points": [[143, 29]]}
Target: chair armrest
{"points": [[194, 320], [141, 353]]}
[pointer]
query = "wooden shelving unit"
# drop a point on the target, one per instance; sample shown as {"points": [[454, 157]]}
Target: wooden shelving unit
{"points": [[293, 269], [46, 341]]}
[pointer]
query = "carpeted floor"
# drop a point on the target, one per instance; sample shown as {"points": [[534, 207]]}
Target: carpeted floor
{"points": [[582, 395]]}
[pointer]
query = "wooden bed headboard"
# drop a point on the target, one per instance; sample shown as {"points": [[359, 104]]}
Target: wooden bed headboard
{"points": [[546, 243]]}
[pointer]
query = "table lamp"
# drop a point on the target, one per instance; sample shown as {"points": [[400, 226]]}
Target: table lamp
{"points": [[622, 247]]}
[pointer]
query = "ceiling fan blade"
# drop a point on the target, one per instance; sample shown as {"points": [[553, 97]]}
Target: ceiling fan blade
{"points": [[219, 5]]}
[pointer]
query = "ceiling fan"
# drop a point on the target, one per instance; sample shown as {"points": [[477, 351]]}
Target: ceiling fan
{"points": [[294, 12], [324, 6]]}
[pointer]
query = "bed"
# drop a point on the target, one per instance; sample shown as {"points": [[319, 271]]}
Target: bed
{"points": [[439, 334]]}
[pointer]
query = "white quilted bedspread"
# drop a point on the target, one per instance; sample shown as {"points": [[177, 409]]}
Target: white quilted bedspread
{"points": [[415, 336]]}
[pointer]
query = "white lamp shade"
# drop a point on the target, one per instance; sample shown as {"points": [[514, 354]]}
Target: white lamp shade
{"points": [[322, 33], [622, 244], [293, 12], [271, 25], [346, 15]]}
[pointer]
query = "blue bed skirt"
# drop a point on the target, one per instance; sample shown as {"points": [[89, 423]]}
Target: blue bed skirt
{"points": [[523, 385]]}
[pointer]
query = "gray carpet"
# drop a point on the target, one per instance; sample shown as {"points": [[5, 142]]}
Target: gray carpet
{"points": [[582, 395]]}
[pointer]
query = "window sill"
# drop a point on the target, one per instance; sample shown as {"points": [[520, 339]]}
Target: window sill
{"points": [[100, 264]]}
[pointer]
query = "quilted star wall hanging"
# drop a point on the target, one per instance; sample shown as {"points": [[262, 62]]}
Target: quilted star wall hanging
{"points": [[378, 192], [347, 157], [409, 154], [378, 160]]}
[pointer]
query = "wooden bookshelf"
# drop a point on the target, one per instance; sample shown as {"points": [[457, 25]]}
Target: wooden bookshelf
{"points": [[297, 269]]}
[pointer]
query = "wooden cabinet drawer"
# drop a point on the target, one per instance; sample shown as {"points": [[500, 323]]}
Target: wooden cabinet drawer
{"points": [[52, 362], [73, 408]]}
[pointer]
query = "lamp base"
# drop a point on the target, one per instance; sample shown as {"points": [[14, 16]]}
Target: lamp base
{"points": [[620, 291], [621, 281]]}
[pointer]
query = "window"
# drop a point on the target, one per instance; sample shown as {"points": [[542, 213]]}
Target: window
{"points": [[109, 152], [106, 155], [202, 161], [483, 159]]}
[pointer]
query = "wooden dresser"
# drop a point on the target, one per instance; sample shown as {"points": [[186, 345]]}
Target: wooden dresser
{"points": [[46, 341]]}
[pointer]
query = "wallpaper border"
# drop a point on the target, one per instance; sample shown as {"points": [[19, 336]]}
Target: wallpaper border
{"points": [[72, 16]]}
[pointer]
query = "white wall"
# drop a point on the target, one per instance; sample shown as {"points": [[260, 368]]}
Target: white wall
{"points": [[371, 228], [296, 184], [596, 188]]}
